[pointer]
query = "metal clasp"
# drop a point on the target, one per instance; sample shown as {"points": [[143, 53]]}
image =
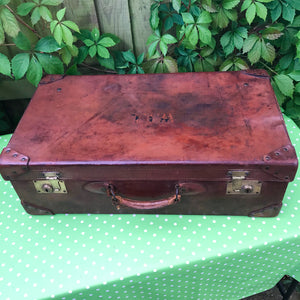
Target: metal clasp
{"points": [[238, 183], [50, 183]]}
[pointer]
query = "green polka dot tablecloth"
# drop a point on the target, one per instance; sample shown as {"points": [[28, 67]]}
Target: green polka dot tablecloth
{"points": [[146, 256]]}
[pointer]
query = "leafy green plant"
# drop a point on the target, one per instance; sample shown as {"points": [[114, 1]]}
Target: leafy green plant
{"points": [[53, 52], [231, 35], [126, 62], [188, 36]]}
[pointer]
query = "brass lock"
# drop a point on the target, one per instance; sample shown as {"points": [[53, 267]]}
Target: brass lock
{"points": [[50, 183], [239, 184]]}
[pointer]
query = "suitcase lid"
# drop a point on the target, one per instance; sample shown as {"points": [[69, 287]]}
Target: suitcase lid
{"points": [[142, 124]]}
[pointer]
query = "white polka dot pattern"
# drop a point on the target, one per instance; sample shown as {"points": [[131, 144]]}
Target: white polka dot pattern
{"points": [[145, 256]]}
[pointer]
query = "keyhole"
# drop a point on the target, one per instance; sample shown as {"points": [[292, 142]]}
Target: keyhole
{"points": [[247, 189], [47, 188]]}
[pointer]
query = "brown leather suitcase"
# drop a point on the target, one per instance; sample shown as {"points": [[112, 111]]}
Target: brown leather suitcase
{"points": [[192, 143]]}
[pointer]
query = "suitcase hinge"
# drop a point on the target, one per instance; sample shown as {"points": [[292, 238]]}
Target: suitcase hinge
{"points": [[238, 183], [50, 183]]}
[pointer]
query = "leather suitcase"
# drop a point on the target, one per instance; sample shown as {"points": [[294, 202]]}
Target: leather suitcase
{"points": [[192, 143]]}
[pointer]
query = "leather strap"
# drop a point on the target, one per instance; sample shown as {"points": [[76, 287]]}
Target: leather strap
{"points": [[119, 201]]}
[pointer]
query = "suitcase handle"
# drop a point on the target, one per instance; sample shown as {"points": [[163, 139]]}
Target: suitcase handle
{"points": [[119, 201]]}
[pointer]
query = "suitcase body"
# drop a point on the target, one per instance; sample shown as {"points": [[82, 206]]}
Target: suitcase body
{"points": [[192, 143]]}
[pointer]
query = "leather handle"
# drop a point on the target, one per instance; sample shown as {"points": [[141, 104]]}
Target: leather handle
{"points": [[119, 201]]}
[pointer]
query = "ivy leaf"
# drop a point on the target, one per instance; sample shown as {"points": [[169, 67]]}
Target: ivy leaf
{"points": [[285, 84], [226, 39], [132, 70], [67, 35], [229, 48], [261, 10], [35, 16], [20, 65], [286, 61], [193, 35], [255, 53], [102, 51], [226, 65], [204, 18], [220, 18], [4, 2], [152, 48], [107, 42], [229, 4], [2, 36], [25, 8], [45, 13], [238, 41], [88, 42], [82, 54], [93, 50], [267, 52], [246, 5], [50, 63], [152, 38], [250, 13], [66, 55], [168, 39], [280, 97], [288, 12], [176, 5], [51, 2], [140, 58], [140, 70], [170, 64], [154, 19], [297, 88], [22, 42], [112, 36], [242, 31], [163, 47], [52, 25], [187, 18], [5, 68], [47, 44], [295, 75], [272, 33], [204, 34], [9, 22], [276, 12], [34, 72], [241, 64], [58, 34], [71, 25], [60, 14], [129, 56], [107, 63], [249, 43]]}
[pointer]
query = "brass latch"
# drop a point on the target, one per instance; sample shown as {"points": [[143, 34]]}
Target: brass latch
{"points": [[50, 183], [240, 185]]}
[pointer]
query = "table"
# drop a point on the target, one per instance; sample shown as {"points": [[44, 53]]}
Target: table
{"points": [[146, 256]]}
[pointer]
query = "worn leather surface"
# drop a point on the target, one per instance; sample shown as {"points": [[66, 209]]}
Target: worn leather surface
{"points": [[146, 133]]}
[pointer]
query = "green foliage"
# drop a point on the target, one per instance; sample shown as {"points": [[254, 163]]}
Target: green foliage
{"points": [[127, 63], [5, 67], [188, 36], [38, 10], [231, 35], [61, 30], [96, 45], [8, 22]]}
